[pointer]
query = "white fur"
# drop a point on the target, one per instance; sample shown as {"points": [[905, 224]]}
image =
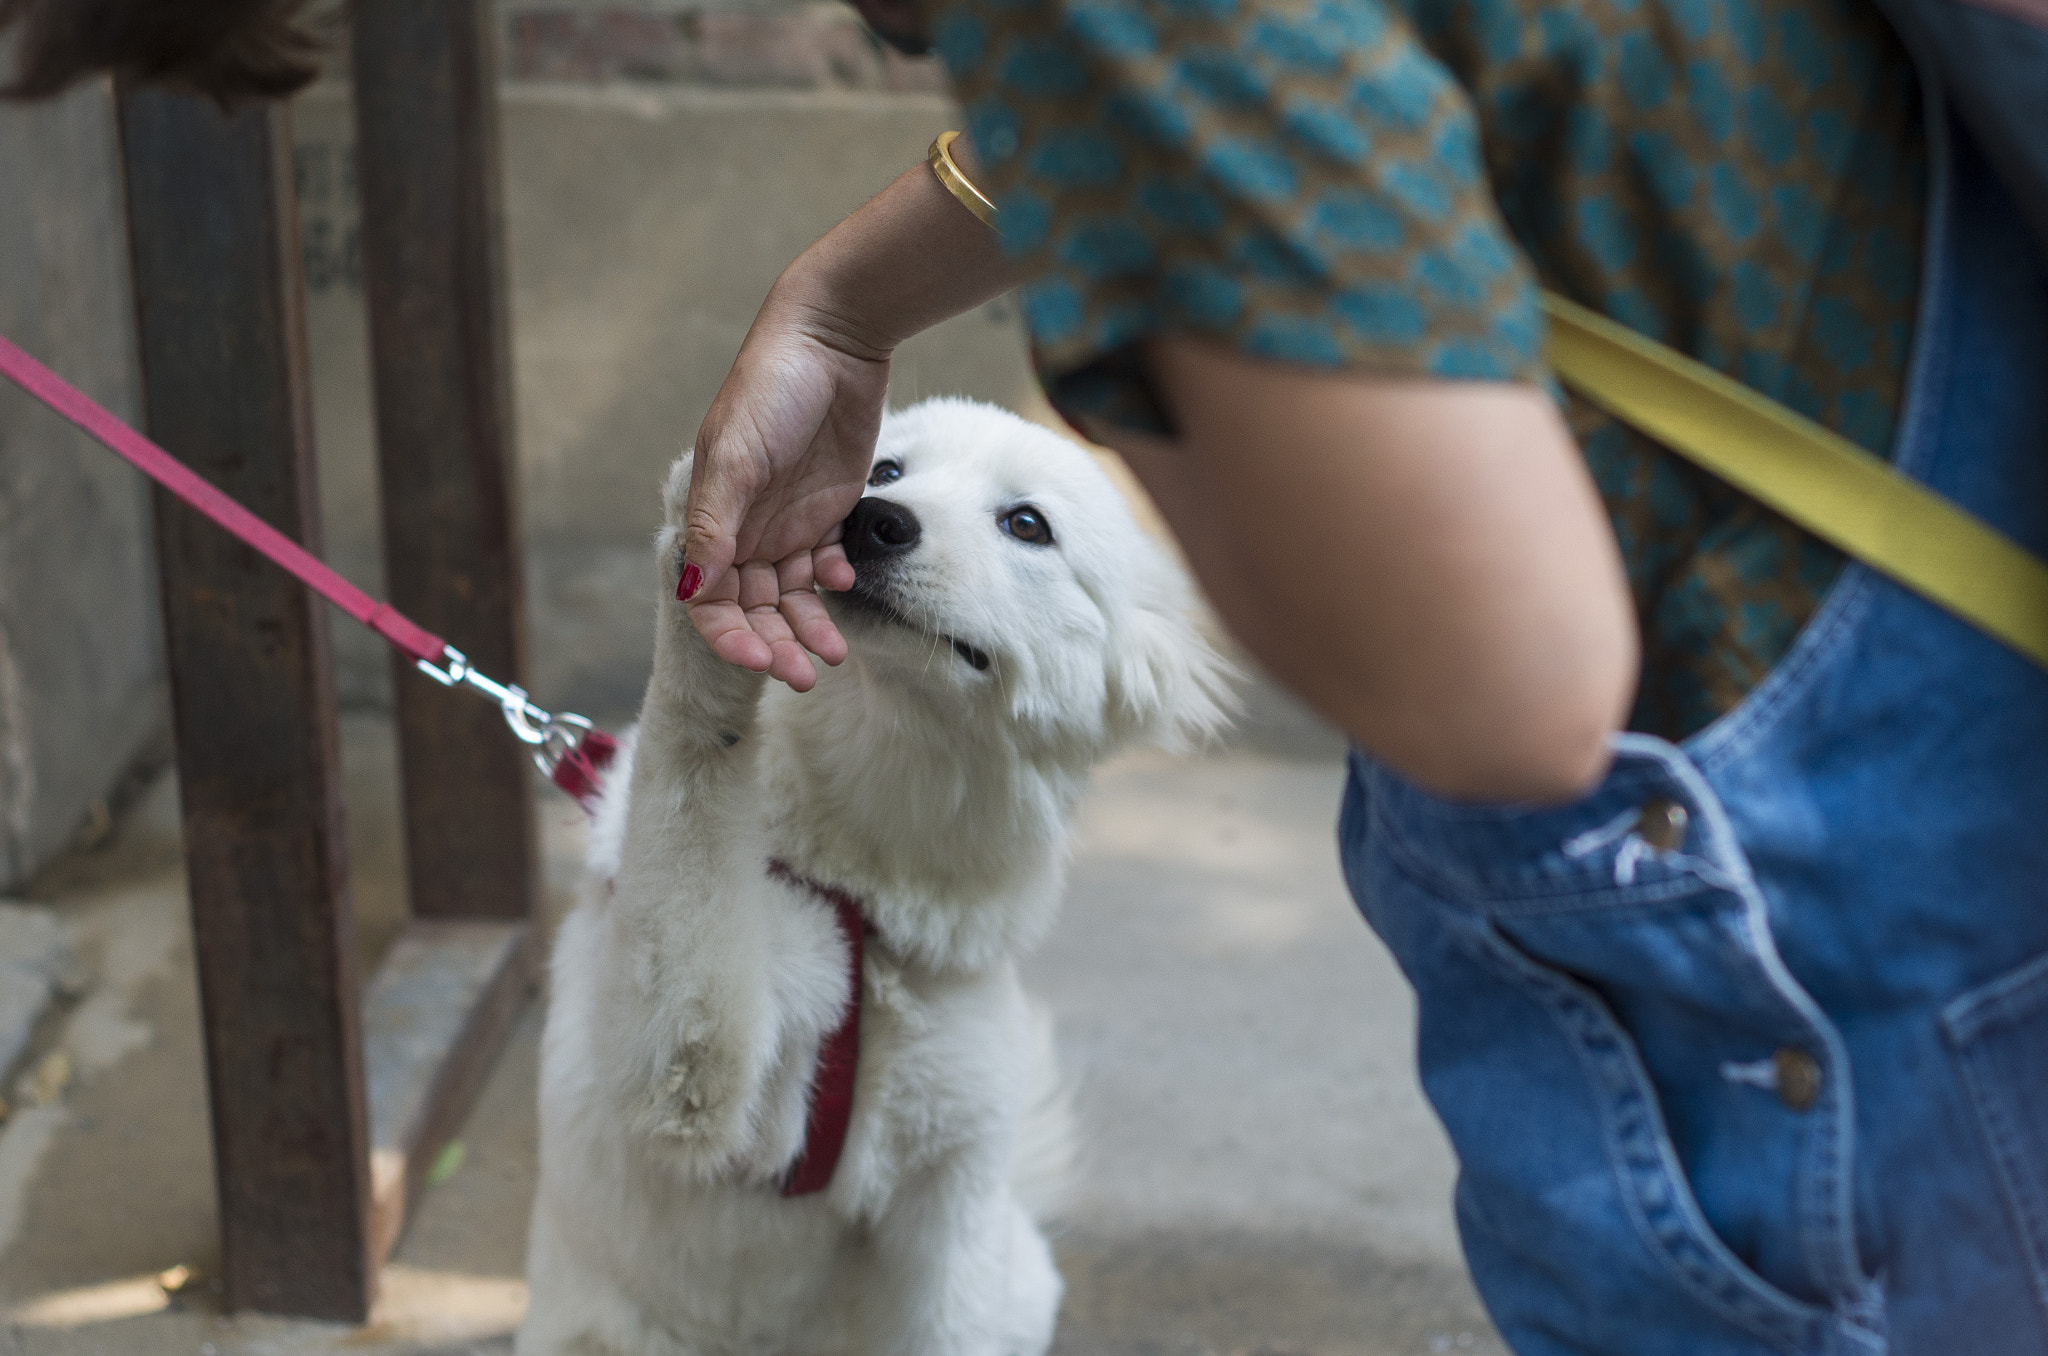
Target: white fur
{"points": [[691, 990]]}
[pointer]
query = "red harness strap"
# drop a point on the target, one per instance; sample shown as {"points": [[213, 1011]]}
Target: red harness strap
{"points": [[838, 1057], [581, 771]]}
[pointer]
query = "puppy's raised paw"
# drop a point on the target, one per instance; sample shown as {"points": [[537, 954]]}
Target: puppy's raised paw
{"points": [[699, 1099]]}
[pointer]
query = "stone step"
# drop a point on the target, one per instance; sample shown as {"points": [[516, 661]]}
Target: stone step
{"points": [[37, 967]]}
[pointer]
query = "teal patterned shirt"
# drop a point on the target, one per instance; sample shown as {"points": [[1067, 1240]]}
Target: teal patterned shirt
{"points": [[1381, 185]]}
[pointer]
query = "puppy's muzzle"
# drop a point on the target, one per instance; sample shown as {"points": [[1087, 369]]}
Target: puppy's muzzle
{"points": [[878, 530]]}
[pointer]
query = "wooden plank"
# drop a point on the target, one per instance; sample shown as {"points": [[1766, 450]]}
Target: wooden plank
{"points": [[434, 1018], [223, 344], [433, 262]]}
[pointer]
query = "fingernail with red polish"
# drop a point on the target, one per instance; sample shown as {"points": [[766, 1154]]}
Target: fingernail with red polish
{"points": [[693, 579]]}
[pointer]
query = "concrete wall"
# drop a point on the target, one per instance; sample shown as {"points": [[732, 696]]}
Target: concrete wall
{"points": [[645, 224], [81, 692]]}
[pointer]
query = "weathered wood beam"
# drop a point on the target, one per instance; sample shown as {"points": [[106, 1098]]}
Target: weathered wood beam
{"points": [[222, 333], [433, 262]]}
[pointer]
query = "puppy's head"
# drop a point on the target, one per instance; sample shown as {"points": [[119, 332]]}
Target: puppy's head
{"points": [[995, 560]]}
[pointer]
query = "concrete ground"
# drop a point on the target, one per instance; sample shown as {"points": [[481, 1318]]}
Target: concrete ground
{"points": [[1261, 1175]]}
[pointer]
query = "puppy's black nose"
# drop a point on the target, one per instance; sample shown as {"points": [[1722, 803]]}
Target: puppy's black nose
{"points": [[878, 528]]}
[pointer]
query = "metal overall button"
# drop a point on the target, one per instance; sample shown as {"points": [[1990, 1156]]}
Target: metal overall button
{"points": [[1798, 1078], [1662, 824]]}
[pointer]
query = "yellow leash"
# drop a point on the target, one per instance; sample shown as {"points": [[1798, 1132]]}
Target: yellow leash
{"points": [[1820, 480]]}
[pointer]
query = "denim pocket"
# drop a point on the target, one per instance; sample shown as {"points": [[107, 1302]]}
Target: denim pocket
{"points": [[2000, 1036], [1572, 975], [1655, 1188]]}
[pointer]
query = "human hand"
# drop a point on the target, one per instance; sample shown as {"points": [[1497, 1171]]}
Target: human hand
{"points": [[780, 461], [784, 452]]}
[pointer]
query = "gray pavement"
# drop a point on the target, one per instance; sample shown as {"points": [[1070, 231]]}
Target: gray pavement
{"points": [[1260, 1173], [1260, 1176]]}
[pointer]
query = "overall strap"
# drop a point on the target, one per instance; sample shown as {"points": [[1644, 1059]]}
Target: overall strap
{"points": [[1818, 479]]}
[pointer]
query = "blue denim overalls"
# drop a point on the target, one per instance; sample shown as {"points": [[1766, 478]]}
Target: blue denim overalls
{"points": [[1747, 1052]]}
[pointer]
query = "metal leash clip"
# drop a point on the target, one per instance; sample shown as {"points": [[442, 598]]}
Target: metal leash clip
{"points": [[553, 735]]}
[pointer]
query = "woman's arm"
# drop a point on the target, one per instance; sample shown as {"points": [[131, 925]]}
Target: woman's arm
{"points": [[230, 50], [1425, 562]]}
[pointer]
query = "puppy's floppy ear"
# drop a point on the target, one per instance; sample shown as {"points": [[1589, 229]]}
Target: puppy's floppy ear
{"points": [[1168, 685]]}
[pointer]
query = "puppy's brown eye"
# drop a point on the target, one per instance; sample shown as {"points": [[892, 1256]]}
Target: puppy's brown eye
{"points": [[885, 473], [1027, 524]]}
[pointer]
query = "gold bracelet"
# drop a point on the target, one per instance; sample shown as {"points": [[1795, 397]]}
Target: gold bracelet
{"points": [[956, 183]]}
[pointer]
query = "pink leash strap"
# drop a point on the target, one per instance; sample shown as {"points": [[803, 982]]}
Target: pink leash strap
{"points": [[167, 471], [566, 748]]}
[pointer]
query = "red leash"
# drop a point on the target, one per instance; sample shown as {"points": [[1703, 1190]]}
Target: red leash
{"points": [[566, 747]]}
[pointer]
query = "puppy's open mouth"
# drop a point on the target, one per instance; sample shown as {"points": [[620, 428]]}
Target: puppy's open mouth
{"points": [[866, 601]]}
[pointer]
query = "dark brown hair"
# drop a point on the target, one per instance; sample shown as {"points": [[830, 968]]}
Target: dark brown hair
{"points": [[233, 50]]}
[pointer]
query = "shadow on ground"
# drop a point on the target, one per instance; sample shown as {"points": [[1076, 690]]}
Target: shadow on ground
{"points": [[1183, 1293]]}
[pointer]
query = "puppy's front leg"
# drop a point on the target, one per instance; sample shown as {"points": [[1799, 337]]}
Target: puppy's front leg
{"points": [[692, 908]]}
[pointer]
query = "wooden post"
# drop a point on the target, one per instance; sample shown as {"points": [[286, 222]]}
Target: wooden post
{"points": [[426, 100], [433, 262], [223, 343], [319, 1161]]}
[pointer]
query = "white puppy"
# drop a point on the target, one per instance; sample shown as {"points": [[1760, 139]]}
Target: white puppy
{"points": [[1011, 625]]}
